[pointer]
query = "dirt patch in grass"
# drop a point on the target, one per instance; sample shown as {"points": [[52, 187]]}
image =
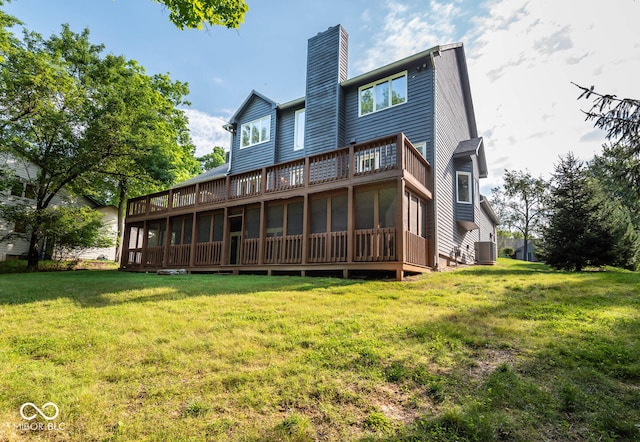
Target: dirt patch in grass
{"points": [[488, 360]]}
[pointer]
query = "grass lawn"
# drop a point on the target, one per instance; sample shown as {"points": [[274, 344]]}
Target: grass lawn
{"points": [[511, 352]]}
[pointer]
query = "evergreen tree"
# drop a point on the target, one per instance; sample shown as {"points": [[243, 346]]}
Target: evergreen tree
{"points": [[585, 228]]}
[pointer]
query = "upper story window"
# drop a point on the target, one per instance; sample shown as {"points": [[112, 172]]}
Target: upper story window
{"points": [[298, 140], [463, 188], [255, 132], [382, 94]]}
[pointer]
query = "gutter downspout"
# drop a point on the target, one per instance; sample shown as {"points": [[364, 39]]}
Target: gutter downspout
{"points": [[436, 253], [229, 128]]}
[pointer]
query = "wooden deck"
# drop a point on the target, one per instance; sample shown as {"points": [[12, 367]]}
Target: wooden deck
{"points": [[390, 161]]}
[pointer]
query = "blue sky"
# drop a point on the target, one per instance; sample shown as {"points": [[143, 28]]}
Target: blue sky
{"points": [[522, 56]]}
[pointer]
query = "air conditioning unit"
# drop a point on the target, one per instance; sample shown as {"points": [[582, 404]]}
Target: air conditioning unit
{"points": [[486, 252]]}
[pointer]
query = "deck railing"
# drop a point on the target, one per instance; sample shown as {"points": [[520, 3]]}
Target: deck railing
{"points": [[208, 253], [377, 156], [179, 255], [375, 244], [415, 249]]}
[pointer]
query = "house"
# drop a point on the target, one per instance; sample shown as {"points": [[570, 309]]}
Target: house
{"points": [[20, 189], [531, 252], [378, 172]]}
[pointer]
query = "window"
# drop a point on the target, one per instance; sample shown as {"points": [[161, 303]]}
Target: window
{"points": [[422, 148], [383, 94], [415, 216], [298, 140], [319, 215], [375, 208], [155, 234], [275, 220], [255, 132], [181, 231], [463, 187]]}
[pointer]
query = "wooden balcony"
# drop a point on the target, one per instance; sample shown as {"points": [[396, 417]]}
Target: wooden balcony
{"points": [[387, 163], [385, 157]]}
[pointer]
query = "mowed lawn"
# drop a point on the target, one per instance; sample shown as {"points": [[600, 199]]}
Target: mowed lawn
{"points": [[511, 352]]}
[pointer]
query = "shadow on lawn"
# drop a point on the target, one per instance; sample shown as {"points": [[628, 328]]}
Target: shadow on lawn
{"points": [[107, 288], [549, 361]]}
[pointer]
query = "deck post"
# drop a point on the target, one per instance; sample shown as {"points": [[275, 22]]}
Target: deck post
{"points": [[400, 215], [124, 257], [167, 241], [305, 226], [194, 238], [263, 228], [145, 243], [350, 224], [224, 256]]}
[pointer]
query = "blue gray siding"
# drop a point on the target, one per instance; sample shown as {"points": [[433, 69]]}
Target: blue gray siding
{"points": [[414, 118], [487, 230], [260, 155], [451, 127], [326, 68], [285, 138], [464, 212]]}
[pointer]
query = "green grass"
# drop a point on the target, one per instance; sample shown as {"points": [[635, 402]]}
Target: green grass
{"points": [[511, 352]]}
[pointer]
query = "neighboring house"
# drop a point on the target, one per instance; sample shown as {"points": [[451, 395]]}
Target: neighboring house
{"points": [[531, 252], [20, 189], [379, 172]]}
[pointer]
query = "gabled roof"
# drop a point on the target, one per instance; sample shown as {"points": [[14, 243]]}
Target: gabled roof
{"points": [[474, 146], [244, 104], [211, 174]]}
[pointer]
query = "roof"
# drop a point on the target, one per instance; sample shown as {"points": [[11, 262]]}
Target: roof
{"points": [[473, 146], [372, 75], [211, 174], [486, 206], [253, 93]]}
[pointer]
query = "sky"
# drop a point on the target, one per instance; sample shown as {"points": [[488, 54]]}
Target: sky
{"points": [[522, 55]]}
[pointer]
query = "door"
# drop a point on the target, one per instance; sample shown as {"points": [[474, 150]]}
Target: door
{"points": [[235, 239]]}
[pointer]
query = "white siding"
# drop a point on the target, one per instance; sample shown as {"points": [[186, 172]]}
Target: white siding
{"points": [[28, 171]]}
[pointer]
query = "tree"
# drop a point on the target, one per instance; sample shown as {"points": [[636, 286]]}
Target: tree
{"points": [[214, 159], [617, 170], [196, 14], [585, 228], [520, 204], [69, 230], [620, 118], [81, 117]]}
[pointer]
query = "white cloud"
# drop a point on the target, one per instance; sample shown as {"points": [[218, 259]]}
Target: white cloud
{"points": [[402, 31], [206, 131], [522, 59]]}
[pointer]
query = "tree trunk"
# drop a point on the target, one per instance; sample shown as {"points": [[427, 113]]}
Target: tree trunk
{"points": [[122, 204], [33, 256]]}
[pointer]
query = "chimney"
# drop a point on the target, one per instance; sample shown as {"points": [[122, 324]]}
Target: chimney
{"points": [[327, 57]]}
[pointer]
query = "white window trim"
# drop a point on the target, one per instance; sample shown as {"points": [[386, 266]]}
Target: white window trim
{"points": [[422, 148], [297, 146], [377, 82], [249, 123], [369, 161], [468, 174]]}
